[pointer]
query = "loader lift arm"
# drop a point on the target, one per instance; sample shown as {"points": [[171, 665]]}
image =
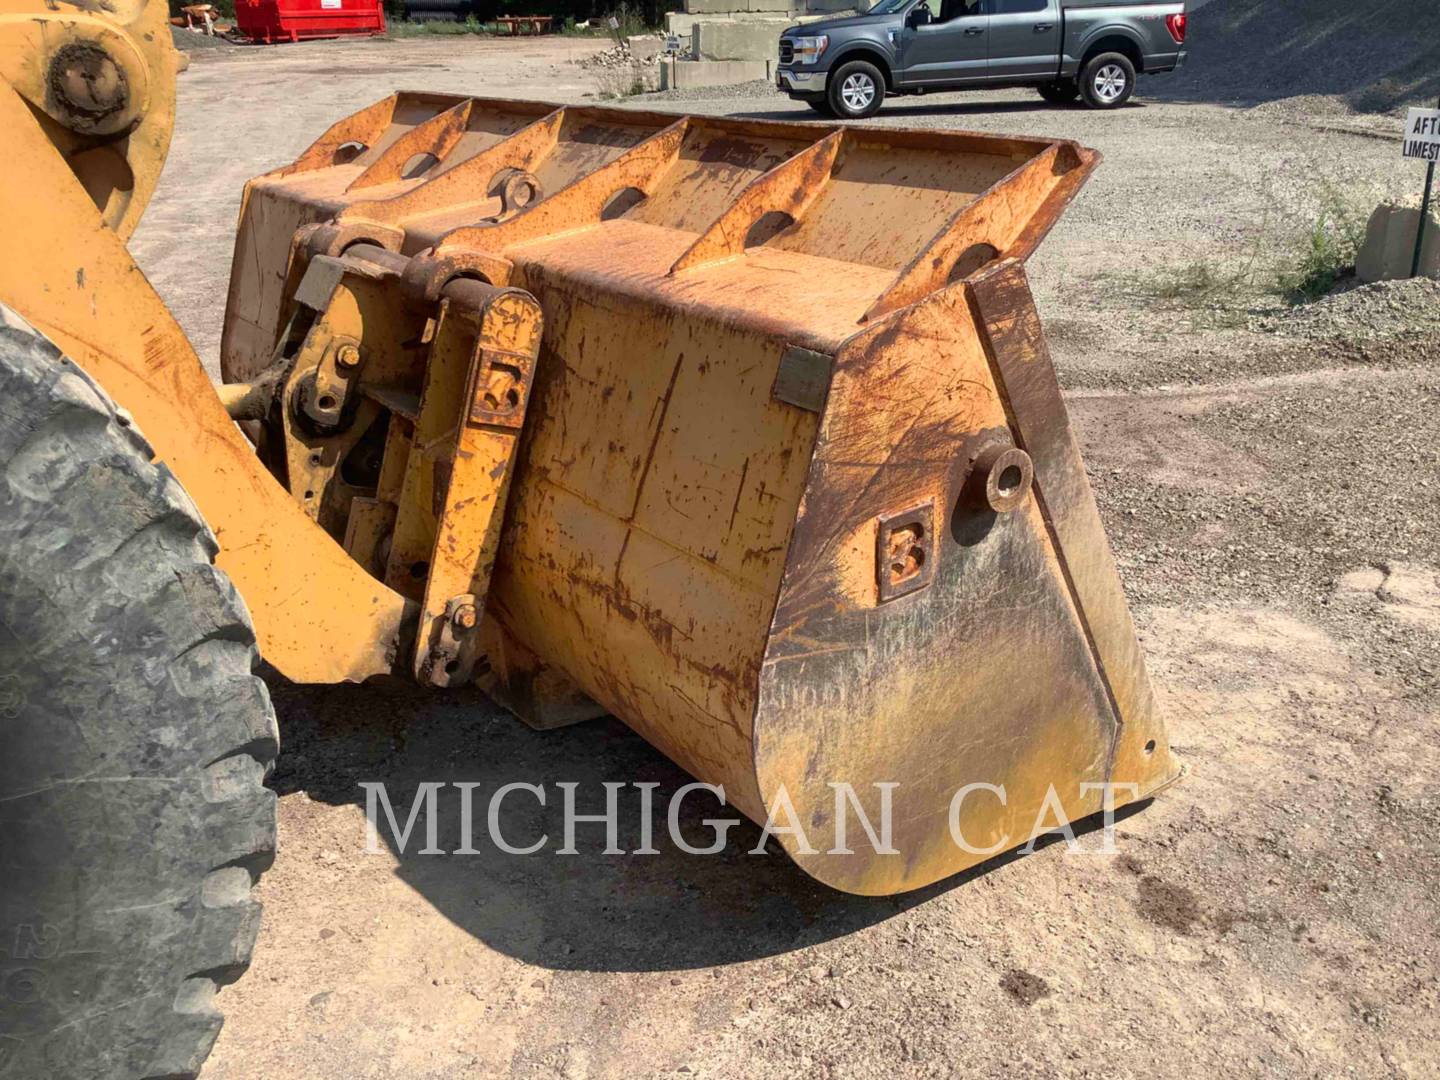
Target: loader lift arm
{"points": [[64, 267], [70, 276]]}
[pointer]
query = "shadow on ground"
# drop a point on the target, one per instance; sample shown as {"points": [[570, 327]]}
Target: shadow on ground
{"points": [[949, 106], [588, 911]]}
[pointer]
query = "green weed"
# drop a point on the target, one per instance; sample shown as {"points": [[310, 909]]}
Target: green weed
{"points": [[400, 29], [1325, 253]]}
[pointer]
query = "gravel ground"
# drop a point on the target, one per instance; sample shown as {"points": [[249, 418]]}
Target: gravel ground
{"points": [[1268, 476]]}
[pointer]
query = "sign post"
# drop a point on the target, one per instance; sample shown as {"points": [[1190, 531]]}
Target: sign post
{"points": [[1422, 143]]}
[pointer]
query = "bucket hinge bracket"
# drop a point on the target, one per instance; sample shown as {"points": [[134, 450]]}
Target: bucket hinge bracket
{"points": [[490, 339]]}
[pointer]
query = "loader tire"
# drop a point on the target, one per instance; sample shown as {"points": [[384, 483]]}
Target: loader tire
{"points": [[134, 741]]}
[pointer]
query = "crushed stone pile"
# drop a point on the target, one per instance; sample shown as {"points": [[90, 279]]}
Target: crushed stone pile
{"points": [[1383, 311], [620, 56], [615, 56], [1376, 56], [190, 41]]}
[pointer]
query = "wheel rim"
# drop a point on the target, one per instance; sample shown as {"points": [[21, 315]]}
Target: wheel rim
{"points": [[857, 91], [1110, 82]]}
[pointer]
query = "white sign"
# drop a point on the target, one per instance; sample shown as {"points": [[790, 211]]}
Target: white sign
{"points": [[613, 23], [1422, 134], [330, 5]]}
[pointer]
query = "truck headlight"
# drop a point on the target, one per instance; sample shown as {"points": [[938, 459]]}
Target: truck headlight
{"points": [[808, 50]]}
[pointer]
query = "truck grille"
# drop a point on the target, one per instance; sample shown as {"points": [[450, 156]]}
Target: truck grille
{"points": [[787, 51]]}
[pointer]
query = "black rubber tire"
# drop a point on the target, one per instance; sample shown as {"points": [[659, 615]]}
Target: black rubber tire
{"points": [[1088, 91], [1059, 93], [837, 80], [134, 742], [821, 106]]}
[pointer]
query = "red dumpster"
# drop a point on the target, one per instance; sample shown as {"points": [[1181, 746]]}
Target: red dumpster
{"points": [[295, 20]]}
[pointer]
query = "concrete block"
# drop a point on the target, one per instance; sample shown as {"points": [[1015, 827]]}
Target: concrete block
{"points": [[683, 26], [733, 39], [1389, 244], [681, 74], [624, 79], [732, 7], [679, 23], [645, 47]]}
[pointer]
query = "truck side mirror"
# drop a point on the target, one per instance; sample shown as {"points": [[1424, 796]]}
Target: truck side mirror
{"points": [[919, 16]]}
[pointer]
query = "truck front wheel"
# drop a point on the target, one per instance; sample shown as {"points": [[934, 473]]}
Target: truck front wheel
{"points": [[856, 90], [1107, 81]]}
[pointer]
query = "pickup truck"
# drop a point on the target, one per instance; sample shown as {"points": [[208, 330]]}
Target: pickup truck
{"points": [[1067, 49]]}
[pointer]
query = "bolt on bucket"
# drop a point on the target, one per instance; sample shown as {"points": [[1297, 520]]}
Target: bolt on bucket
{"points": [[744, 432]]}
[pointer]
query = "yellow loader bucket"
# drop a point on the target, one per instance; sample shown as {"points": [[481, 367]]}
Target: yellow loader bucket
{"points": [[744, 432]]}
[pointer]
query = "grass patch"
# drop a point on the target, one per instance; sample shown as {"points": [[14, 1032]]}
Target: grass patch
{"points": [[631, 20], [1295, 265], [1196, 282], [1325, 253], [1217, 294], [1214, 295], [437, 28]]}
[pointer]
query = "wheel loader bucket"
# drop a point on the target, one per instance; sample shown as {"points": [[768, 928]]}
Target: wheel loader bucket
{"points": [[744, 432], [411, 168]]}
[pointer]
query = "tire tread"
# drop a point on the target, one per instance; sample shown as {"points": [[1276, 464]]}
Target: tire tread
{"points": [[99, 532]]}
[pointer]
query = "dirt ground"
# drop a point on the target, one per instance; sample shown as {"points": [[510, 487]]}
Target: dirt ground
{"points": [[1269, 478]]}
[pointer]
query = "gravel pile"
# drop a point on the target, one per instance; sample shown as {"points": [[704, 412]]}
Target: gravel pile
{"points": [[1310, 106], [1374, 56], [614, 57], [189, 41], [760, 88], [620, 56], [1384, 311]]}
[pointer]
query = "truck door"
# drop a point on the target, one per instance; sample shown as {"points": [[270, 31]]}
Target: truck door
{"points": [[952, 46], [1024, 38]]}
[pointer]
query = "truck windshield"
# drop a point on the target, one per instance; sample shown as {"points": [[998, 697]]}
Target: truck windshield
{"points": [[888, 7]]}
